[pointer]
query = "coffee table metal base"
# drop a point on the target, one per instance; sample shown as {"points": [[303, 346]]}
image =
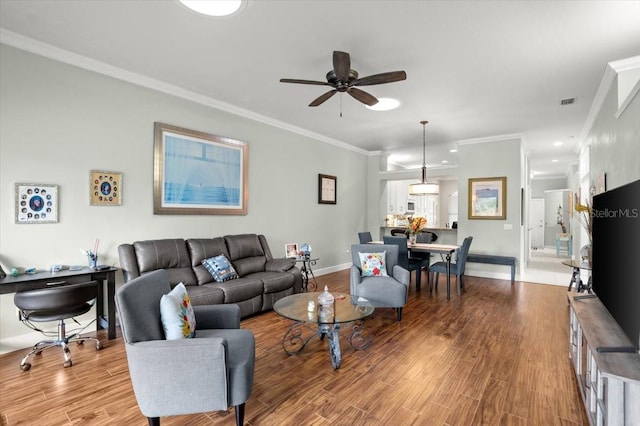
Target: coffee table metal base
{"points": [[295, 340]]}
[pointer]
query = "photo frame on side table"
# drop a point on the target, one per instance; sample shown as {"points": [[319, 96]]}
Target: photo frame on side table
{"points": [[105, 188], [291, 250], [327, 189], [36, 203], [488, 198], [199, 173]]}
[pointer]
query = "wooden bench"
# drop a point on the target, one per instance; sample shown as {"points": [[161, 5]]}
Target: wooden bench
{"points": [[495, 260]]}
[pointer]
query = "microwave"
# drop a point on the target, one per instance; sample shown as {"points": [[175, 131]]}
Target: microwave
{"points": [[411, 206]]}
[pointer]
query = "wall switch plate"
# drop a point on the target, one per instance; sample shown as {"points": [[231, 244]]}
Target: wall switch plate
{"points": [[508, 226]]}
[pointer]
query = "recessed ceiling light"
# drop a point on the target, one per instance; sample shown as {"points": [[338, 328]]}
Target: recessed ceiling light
{"points": [[385, 104], [453, 150], [557, 143], [444, 161], [215, 7], [554, 160]]}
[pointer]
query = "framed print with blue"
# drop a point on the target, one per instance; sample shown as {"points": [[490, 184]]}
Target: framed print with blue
{"points": [[36, 203], [488, 198], [105, 188], [198, 173]]}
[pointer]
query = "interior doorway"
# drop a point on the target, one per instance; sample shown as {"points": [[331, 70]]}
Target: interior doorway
{"points": [[536, 223]]}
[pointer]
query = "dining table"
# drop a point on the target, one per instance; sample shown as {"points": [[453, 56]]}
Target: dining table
{"points": [[444, 249]]}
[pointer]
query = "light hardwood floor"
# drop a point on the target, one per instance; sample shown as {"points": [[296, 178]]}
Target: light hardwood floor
{"points": [[498, 355]]}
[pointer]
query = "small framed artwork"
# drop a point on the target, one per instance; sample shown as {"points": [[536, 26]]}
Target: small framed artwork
{"points": [[36, 203], [198, 173], [488, 198], [105, 188], [291, 250], [327, 189]]}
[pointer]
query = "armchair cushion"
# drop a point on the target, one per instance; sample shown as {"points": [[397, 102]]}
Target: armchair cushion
{"points": [[176, 314], [220, 268], [373, 264]]}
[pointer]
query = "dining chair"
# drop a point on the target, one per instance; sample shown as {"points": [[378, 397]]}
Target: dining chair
{"points": [[365, 237], [408, 263], [457, 267]]}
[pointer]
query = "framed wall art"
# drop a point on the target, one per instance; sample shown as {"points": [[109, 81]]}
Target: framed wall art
{"points": [[488, 198], [327, 189], [36, 203], [198, 173], [105, 188]]}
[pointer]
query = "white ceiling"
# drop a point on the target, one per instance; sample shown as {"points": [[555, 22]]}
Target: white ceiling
{"points": [[475, 69]]}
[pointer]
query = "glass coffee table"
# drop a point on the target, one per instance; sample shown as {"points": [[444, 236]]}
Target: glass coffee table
{"points": [[311, 320]]}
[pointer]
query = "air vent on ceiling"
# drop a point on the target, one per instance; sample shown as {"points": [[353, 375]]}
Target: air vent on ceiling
{"points": [[567, 101]]}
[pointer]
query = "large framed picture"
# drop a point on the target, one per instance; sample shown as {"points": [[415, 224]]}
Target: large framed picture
{"points": [[327, 189], [488, 198], [105, 188], [36, 203], [198, 173]]}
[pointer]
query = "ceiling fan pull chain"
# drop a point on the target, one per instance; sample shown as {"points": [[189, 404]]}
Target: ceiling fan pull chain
{"points": [[340, 104]]}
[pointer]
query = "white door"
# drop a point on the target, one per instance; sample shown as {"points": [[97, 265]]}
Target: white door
{"points": [[536, 222]]}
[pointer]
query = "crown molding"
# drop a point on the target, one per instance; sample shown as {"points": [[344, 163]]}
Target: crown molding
{"points": [[51, 52], [608, 77], [496, 138]]}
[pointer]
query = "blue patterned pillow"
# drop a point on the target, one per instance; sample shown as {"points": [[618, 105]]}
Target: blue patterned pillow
{"points": [[220, 268], [176, 313]]}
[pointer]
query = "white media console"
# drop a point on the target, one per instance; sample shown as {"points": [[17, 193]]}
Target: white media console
{"points": [[606, 364]]}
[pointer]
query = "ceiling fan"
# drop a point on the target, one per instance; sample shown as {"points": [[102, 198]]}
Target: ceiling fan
{"points": [[343, 79]]}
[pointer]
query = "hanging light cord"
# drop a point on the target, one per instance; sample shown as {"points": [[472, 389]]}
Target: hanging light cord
{"points": [[424, 150]]}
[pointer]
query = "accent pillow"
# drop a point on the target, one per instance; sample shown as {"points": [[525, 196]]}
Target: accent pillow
{"points": [[176, 313], [220, 268], [373, 264]]}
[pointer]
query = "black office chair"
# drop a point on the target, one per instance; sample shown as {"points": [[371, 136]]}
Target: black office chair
{"points": [[400, 231], [365, 237], [408, 263], [56, 304]]}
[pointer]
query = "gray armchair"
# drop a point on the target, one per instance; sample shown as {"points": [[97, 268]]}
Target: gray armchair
{"points": [[210, 372], [390, 291]]}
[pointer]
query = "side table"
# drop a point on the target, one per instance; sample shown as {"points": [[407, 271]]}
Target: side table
{"points": [[308, 278], [577, 265]]}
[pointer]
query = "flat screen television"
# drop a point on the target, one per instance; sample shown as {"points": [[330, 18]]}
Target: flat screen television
{"points": [[616, 256]]}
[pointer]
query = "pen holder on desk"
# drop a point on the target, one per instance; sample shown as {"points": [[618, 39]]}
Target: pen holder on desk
{"points": [[93, 262]]}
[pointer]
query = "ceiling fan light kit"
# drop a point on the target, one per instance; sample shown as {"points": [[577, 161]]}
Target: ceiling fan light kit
{"points": [[424, 187], [215, 7], [344, 79]]}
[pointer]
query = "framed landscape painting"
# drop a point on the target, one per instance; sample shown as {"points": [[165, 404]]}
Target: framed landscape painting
{"points": [[198, 173], [488, 198]]}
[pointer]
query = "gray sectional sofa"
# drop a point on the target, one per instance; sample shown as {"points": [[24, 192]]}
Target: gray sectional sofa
{"points": [[262, 279]]}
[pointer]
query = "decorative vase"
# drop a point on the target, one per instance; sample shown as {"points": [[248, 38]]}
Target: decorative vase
{"points": [[412, 238], [586, 254]]}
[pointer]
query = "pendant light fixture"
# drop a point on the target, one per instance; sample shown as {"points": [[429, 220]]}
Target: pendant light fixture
{"points": [[424, 187]]}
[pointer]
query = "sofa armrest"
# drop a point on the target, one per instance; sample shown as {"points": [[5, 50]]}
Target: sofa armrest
{"points": [[279, 265], [164, 387], [355, 279], [217, 316], [401, 275]]}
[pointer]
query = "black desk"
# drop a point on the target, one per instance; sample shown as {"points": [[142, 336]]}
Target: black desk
{"points": [[26, 282]]}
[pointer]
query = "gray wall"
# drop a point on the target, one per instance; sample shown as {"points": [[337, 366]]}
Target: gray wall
{"points": [[491, 159], [58, 122]]}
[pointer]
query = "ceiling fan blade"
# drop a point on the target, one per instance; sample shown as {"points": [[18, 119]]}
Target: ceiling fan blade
{"points": [[320, 99], [293, 80], [341, 65], [362, 96], [385, 77]]}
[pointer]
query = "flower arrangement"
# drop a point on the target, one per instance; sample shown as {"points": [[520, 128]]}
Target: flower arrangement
{"points": [[585, 215], [416, 225]]}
